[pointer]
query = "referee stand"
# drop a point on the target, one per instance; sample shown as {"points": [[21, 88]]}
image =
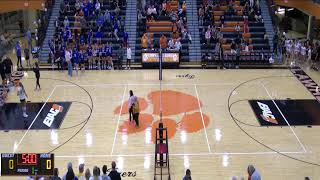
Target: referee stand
{"points": [[161, 160]]}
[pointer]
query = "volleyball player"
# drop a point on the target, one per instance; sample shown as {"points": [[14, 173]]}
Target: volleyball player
{"points": [[36, 70], [75, 58], [100, 59], [90, 56], [303, 52], [21, 93], [109, 58]]}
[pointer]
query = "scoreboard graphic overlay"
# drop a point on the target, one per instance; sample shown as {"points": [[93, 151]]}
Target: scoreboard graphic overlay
{"points": [[27, 164]]}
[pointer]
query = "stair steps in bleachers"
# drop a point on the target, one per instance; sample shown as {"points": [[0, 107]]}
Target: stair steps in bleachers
{"points": [[193, 28], [131, 25], [44, 52], [267, 21]]}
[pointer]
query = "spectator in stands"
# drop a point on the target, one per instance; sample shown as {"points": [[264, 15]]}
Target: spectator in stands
{"points": [[233, 47], [70, 175], [163, 42], [96, 174], [55, 175], [208, 36], [188, 175], [125, 38], [87, 174], [114, 175], [149, 41], [222, 21], [18, 53], [104, 176], [275, 43], [171, 44], [238, 54], [129, 54], [253, 173], [115, 30], [29, 39], [237, 28], [66, 22], [265, 37], [97, 6], [144, 41], [2, 71], [201, 15], [80, 175], [177, 45]]}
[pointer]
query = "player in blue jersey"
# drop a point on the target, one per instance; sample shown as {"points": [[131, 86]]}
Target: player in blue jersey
{"points": [[75, 59], [90, 56]]}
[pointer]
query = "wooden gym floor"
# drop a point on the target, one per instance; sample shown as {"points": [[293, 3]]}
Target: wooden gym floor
{"points": [[203, 136]]}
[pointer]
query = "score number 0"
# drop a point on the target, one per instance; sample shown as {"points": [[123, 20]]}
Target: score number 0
{"points": [[48, 164], [11, 166]]}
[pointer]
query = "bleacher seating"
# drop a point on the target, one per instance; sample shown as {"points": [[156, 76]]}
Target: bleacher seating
{"points": [[162, 25], [257, 45], [106, 29]]}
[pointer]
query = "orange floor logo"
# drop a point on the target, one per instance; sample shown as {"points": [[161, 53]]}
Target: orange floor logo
{"points": [[173, 103]]}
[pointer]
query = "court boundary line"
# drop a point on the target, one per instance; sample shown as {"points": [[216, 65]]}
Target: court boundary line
{"points": [[149, 84], [184, 154], [200, 109], [118, 122], [272, 99], [17, 146]]}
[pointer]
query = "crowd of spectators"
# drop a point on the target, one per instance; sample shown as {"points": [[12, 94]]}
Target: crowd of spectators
{"points": [[163, 9], [85, 37], [212, 28]]}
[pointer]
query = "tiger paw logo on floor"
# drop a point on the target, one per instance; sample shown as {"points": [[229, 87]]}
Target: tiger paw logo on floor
{"points": [[174, 104]]}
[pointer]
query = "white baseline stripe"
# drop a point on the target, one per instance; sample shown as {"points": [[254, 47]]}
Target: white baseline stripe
{"points": [[180, 154], [151, 84], [204, 127], [116, 131], [304, 149], [34, 120]]}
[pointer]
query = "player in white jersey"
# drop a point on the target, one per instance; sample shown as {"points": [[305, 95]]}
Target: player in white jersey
{"points": [[303, 52], [289, 51], [21, 93]]}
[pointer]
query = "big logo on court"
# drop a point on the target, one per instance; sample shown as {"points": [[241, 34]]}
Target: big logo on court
{"points": [[175, 105]]}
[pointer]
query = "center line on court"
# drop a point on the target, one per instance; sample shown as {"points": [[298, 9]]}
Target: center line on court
{"points": [[204, 127], [304, 149], [17, 146], [116, 131]]}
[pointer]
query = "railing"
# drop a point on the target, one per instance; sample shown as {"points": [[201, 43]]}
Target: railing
{"points": [[271, 5], [45, 18]]}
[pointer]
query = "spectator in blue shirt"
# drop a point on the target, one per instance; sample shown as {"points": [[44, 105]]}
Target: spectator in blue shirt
{"points": [[75, 59], [115, 30], [125, 38], [99, 36]]}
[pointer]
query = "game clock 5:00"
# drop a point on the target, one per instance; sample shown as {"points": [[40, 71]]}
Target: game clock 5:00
{"points": [[27, 164]]}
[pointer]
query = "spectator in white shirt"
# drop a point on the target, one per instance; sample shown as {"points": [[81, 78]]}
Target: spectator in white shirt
{"points": [[177, 45], [66, 22], [208, 35], [129, 54]]}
